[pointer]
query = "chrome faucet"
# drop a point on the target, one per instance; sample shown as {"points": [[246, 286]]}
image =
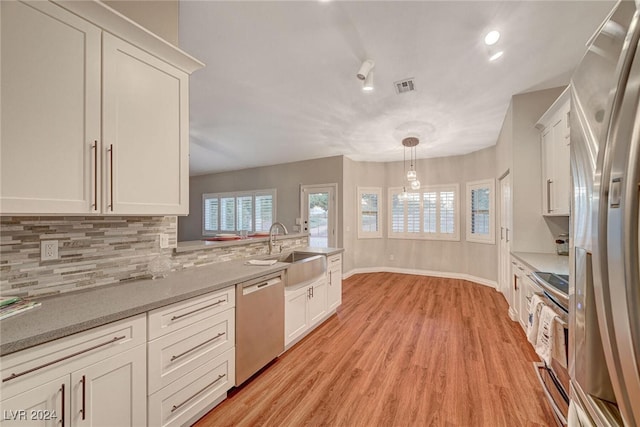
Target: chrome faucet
{"points": [[272, 235]]}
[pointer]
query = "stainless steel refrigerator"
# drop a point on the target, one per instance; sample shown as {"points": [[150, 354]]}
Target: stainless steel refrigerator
{"points": [[604, 329]]}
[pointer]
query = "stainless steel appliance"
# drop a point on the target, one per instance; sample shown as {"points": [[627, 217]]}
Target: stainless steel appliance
{"points": [[554, 376], [259, 324], [604, 290]]}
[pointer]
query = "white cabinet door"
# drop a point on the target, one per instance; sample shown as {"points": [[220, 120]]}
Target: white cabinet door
{"points": [[50, 103], [318, 301], [334, 289], [562, 187], [525, 294], [556, 183], [295, 314], [111, 392], [46, 405], [145, 132]]}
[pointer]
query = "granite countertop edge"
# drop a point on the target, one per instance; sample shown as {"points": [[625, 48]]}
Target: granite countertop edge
{"points": [[90, 308]]}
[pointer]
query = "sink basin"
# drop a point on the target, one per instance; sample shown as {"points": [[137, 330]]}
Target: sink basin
{"points": [[303, 266]]}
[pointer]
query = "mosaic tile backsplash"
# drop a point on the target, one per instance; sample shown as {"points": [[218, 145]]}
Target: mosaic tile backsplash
{"points": [[92, 251], [97, 251]]}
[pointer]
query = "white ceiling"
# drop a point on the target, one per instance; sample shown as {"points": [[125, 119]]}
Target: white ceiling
{"points": [[280, 82]]}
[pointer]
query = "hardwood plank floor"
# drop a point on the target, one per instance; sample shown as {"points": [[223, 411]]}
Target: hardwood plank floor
{"points": [[402, 350]]}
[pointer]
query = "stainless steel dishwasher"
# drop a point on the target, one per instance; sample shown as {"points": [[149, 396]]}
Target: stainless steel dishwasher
{"points": [[259, 324]]}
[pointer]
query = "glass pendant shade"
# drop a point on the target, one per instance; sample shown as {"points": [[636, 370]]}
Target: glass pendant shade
{"points": [[415, 184], [411, 175]]}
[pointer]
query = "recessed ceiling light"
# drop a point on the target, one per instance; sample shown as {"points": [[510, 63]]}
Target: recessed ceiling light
{"points": [[492, 38], [496, 56]]}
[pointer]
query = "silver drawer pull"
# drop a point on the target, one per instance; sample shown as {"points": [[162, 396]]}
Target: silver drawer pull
{"points": [[176, 407], [220, 301], [28, 371], [198, 346]]}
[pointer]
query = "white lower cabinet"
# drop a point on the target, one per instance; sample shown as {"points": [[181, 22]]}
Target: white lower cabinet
{"points": [[93, 378], [43, 405], [111, 392], [191, 357], [304, 308], [334, 282], [193, 394]]}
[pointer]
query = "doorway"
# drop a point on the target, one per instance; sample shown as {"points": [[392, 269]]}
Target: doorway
{"points": [[319, 214]]}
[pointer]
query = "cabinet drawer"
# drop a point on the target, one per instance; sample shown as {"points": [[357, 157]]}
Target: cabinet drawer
{"points": [[174, 355], [168, 319], [193, 393], [334, 261], [36, 365]]}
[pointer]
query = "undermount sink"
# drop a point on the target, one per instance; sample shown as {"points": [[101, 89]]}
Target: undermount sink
{"points": [[303, 266]]}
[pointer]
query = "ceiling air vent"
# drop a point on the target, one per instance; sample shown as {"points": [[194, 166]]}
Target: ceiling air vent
{"points": [[406, 85]]}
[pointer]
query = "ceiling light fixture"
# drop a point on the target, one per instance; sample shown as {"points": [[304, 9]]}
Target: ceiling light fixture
{"points": [[365, 73], [492, 38], [367, 86], [496, 55], [412, 176]]}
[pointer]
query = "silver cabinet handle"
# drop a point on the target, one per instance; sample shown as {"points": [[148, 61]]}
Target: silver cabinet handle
{"points": [[220, 301], [94, 148], [176, 407], [83, 411], [507, 234], [28, 371], [63, 405], [198, 346], [110, 150], [549, 196]]}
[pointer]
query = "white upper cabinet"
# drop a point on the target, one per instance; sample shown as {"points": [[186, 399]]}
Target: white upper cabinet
{"points": [[50, 109], [92, 122], [556, 181], [145, 132]]}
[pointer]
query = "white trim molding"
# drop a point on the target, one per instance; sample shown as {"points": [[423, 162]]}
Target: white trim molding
{"points": [[444, 274]]}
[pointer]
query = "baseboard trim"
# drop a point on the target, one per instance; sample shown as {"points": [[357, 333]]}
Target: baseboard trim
{"points": [[444, 274]]}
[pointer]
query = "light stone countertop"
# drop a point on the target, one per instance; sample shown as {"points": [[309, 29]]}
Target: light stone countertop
{"points": [[73, 312], [196, 245], [549, 263]]}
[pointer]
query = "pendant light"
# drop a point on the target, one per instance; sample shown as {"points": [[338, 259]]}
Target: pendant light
{"points": [[412, 175]]}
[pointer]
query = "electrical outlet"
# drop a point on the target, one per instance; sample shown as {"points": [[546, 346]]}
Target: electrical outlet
{"points": [[48, 250], [164, 240], [392, 257]]}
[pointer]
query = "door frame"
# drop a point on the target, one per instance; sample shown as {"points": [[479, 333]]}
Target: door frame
{"points": [[333, 217]]}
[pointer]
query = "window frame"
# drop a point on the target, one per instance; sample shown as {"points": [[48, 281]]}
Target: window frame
{"points": [[236, 195], [422, 235], [379, 223], [489, 238]]}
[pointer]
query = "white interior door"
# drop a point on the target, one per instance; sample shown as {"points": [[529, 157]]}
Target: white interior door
{"points": [[505, 236], [319, 214]]}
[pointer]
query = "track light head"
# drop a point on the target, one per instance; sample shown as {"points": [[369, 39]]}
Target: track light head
{"points": [[365, 68]]}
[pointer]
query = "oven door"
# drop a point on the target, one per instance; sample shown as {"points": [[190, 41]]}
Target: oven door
{"points": [[555, 393]]}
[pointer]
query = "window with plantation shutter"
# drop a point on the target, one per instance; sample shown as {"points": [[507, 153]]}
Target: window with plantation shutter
{"points": [[264, 212], [480, 211], [211, 214], [430, 213], [249, 211], [369, 212]]}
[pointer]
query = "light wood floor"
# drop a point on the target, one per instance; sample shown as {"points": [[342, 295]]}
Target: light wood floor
{"points": [[402, 350]]}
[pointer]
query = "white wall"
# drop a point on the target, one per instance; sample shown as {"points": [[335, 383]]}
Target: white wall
{"points": [[460, 257]]}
